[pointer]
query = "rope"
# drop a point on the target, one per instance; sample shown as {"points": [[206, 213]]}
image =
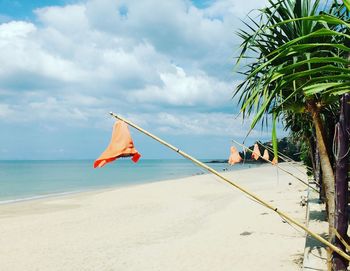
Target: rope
{"points": [[336, 144]]}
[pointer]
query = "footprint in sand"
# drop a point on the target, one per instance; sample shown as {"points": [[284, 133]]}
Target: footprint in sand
{"points": [[245, 233]]}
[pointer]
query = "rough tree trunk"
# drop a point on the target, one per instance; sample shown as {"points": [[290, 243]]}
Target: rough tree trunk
{"points": [[327, 174], [341, 180], [318, 175], [312, 154], [316, 167]]}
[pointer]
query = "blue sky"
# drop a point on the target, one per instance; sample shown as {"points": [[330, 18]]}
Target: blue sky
{"points": [[23, 10], [166, 65]]}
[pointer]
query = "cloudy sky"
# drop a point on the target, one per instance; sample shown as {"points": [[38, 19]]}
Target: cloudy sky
{"points": [[165, 65]]}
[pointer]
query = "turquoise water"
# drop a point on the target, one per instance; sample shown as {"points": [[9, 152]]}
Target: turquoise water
{"points": [[32, 179]]}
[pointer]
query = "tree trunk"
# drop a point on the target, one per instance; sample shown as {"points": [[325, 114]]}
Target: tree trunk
{"points": [[318, 175], [341, 180], [316, 167], [327, 174], [312, 151]]}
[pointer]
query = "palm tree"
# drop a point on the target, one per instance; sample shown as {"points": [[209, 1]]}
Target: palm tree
{"points": [[296, 64]]}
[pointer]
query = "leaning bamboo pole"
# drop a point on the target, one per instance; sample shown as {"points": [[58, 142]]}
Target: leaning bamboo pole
{"points": [[276, 165], [245, 191], [341, 239]]}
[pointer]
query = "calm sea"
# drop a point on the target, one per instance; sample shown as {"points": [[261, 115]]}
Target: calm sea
{"points": [[20, 180]]}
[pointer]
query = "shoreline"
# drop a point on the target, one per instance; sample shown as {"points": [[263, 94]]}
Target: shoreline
{"points": [[191, 223]]}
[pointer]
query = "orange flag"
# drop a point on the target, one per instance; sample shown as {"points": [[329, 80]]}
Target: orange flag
{"points": [[274, 161], [234, 157], [121, 145], [266, 155], [256, 152]]}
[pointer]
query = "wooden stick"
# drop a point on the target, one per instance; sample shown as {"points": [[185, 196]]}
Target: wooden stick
{"points": [[341, 239], [276, 165], [258, 199]]}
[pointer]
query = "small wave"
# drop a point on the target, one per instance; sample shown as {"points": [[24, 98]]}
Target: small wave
{"points": [[29, 198]]}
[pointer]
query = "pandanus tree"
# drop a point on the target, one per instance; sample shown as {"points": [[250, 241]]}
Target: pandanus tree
{"points": [[296, 63]]}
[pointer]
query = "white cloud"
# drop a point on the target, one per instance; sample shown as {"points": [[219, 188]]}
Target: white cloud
{"points": [[237, 9], [23, 58], [72, 48], [191, 123], [70, 19], [15, 30], [180, 89], [139, 57]]}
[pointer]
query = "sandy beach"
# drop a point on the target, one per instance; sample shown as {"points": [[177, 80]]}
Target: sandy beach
{"points": [[194, 223]]}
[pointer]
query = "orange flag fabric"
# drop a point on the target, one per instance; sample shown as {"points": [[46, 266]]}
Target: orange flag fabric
{"points": [[256, 152], [266, 155], [274, 161], [121, 145], [234, 156]]}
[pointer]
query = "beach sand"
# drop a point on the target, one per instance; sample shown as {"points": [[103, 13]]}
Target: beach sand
{"points": [[194, 223]]}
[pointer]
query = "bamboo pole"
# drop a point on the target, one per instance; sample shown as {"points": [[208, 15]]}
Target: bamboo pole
{"points": [[276, 165], [341, 239], [255, 197]]}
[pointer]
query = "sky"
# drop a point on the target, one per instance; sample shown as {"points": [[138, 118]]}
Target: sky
{"points": [[168, 66]]}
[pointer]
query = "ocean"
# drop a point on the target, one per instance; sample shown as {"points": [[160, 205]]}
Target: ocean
{"points": [[23, 180]]}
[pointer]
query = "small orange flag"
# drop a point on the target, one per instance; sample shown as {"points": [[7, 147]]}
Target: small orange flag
{"points": [[274, 161], [256, 152], [234, 156], [121, 145], [266, 155]]}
